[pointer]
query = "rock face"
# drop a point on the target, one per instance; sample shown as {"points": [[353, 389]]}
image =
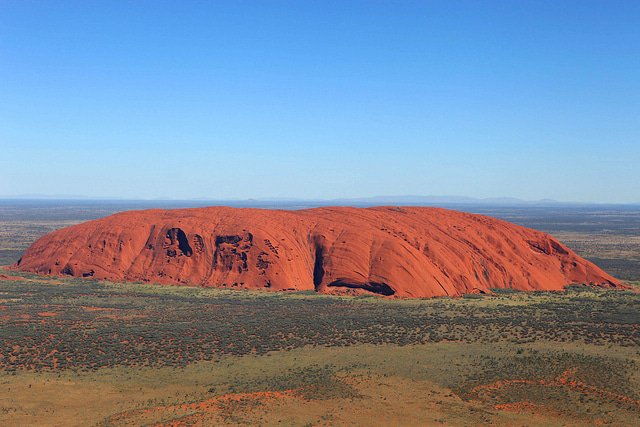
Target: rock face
{"points": [[404, 252]]}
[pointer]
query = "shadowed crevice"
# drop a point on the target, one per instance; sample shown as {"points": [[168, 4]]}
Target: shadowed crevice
{"points": [[318, 269]]}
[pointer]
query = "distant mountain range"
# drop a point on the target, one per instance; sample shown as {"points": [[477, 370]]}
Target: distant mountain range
{"points": [[406, 200], [443, 200]]}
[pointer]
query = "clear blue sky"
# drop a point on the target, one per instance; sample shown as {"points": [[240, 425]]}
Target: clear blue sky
{"points": [[321, 99]]}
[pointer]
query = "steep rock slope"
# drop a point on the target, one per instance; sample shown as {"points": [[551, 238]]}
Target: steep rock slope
{"points": [[400, 251]]}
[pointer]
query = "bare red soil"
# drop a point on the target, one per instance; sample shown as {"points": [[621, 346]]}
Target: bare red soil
{"points": [[404, 252], [566, 379], [197, 411]]}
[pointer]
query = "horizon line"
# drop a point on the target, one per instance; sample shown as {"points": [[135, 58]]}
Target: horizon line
{"points": [[411, 199]]}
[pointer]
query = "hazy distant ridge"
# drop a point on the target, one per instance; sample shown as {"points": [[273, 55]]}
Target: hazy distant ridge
{"points": [[414, 200]]}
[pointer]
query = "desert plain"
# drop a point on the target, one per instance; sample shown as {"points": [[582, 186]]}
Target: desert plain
{"points": [[91, 351]]}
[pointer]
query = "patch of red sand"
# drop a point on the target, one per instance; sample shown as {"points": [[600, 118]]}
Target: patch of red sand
{"points": [[517, 407], [404, 252], [47, 314], [92, 308], [566, 379], [197, 410]]}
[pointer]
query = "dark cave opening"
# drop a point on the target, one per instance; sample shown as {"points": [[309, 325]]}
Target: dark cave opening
{"points": [[176, 234]]}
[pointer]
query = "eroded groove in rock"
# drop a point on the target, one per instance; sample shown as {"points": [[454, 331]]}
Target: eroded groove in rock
{"points": [[231, 252], [198, 243], [318, 267], [400, 252]]}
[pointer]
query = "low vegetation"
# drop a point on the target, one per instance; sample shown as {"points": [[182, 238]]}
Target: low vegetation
{"points": [[86, 325], [557, 355], [139, 354]]}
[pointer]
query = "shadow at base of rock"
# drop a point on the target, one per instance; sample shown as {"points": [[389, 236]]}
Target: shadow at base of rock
{"points": [[374, 287]]}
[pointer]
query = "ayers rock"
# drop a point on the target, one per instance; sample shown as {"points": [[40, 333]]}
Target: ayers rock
{"points": [[405, 252]]}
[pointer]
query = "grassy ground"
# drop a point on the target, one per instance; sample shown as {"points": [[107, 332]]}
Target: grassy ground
{"points": [[77, 352], [358, 385]]}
